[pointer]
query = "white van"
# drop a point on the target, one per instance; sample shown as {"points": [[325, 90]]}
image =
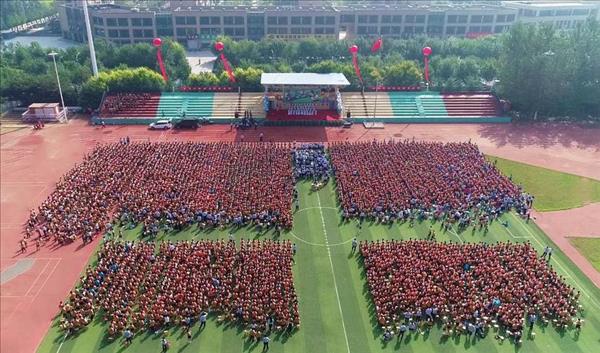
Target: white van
{"points": [[161, 125]]}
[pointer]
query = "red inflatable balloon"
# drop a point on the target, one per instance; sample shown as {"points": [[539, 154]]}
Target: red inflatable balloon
{"points": [[219, 46], [354, 49], [157, 42], [427, 51]]}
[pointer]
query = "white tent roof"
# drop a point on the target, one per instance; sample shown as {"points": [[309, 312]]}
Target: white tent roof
{"points": [[304, 79]]}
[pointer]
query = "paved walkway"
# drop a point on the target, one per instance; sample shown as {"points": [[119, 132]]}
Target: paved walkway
{"points": [[33, 161]]}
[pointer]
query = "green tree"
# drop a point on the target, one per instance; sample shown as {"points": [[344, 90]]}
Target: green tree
{"points": [[120, 80], [404, 73]]}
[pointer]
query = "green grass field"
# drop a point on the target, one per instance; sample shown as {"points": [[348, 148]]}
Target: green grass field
{"points": [[336, 311], [589, 248], [553, 190]]}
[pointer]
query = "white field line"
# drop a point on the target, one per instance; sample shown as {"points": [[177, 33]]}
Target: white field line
{"points": [[61, 343], [456, 234], [333, 272]]}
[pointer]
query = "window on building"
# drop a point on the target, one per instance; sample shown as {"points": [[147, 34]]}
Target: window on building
{"points": [[113, 33], [347, 19], [409, 29], [488, 18], [396, 30], [271, 20], [306, 20], [270, 30], [529, 13], [136, 22], [111, 22], [282, 21], [476, 19], [419, 29], [363, 19], [296, 20], [147, 22], [362, 30], [179, 20], [435, 29], [148, 33], [138, 33], [215, 20], [486, 29], [546, 13], [319, 30], [463, 18], [461, 30], [385, 30], [123, 22], [450, 30], [319, 20], [166, 32], [500, 29], [409, 18], [98, 21], [123, 33], [164, 21], [437, 19], [282, 30], [233, 20], [501, 18], [229, 31], [180, 31], [510, 18], [373, 19], [386, 19], [329, 30], [204, 20], [581, 12], [420, 19], [296, 30], [452, 18], [475, 29], [99, 31], [329, 20]]}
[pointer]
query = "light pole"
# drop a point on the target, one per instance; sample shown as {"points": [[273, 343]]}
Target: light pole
{"points": [[62, 101]]}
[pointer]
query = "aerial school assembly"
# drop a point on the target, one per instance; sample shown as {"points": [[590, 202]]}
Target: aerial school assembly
{"points": [[137, 285]]}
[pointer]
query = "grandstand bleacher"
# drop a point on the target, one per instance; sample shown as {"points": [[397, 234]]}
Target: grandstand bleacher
{"points": [[393, 107]]}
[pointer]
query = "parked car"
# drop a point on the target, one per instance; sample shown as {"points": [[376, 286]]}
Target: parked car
{"points": [[161, 125]]}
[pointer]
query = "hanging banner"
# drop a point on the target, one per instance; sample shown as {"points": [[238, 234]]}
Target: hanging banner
{"points": [[426, 53], [376, 45], [157, 42], [219, 46], [354, 51]]}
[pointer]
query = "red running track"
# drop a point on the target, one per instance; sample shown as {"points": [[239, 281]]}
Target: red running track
{"points": [[32, 162]]}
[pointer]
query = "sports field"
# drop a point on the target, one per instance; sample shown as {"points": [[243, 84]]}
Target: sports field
{"points": [[553, 190], [336, 311]]}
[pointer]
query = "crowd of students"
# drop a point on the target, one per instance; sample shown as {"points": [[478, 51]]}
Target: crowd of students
{"points": [[310, 162], [113, 103], [467, 288], [135, 288], [391, 181], [170, 186]]}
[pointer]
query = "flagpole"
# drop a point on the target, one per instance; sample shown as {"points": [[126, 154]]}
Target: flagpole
{"points": [[90, 39]]}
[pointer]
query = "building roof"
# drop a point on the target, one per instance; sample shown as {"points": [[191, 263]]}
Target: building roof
{"points": [[304, 79]]}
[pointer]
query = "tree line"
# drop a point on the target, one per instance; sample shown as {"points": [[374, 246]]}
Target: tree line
{"points": [[17, 12], [542, 71]]}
